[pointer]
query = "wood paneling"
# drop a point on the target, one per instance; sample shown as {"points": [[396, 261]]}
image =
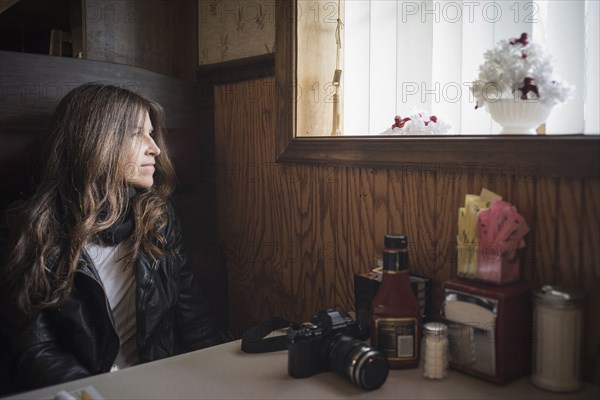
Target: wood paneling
{"points": [[237, 70], [295, 234], [157, 35]]}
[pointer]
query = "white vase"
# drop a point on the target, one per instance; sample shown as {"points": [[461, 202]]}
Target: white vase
{"points": [[518, 117]]}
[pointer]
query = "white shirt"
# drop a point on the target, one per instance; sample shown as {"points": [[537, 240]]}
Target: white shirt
{"points": [[119, 286]]}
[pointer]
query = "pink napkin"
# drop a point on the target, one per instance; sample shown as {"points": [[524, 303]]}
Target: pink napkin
{"points": [[500, 232]]}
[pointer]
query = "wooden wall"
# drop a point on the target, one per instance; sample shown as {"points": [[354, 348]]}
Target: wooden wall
{"points": [[294, 235], [157, 35]]}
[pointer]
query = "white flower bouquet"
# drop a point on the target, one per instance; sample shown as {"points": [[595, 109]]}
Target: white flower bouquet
{"points": [[519, 70]]}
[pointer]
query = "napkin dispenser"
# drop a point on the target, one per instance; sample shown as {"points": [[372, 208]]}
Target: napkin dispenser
{"points": [[489, 329]]}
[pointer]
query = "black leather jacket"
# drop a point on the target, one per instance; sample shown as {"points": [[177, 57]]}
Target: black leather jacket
{"points": [[78, 338]]}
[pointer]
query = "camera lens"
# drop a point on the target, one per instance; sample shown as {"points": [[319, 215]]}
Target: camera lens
{"points": [[361, 364]]}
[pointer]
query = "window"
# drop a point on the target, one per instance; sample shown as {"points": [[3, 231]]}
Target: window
{"points": [[400, 56]]}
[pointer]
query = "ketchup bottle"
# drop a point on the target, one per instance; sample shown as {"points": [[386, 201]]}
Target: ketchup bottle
{"points": [[395, 312]]}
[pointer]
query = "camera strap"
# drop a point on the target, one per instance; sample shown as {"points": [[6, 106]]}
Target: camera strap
{"points": [[257, 340]]}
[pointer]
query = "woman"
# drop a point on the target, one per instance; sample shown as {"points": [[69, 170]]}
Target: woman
{"points": [[96, 277]]}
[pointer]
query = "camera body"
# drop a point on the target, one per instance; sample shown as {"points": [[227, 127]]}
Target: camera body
{"points": [[308, 342], [333, 341]]}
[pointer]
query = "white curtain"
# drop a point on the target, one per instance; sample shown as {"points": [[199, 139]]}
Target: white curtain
{"points": [[401, 56]]}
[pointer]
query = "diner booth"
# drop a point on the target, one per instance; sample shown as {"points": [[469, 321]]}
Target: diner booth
{"points": [[280, 225]]}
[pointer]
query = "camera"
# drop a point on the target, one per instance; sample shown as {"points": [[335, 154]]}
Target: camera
{"points": [[333, 341]]}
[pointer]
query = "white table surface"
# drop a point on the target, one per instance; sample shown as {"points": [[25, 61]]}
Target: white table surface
{"points": [[224, 372]]}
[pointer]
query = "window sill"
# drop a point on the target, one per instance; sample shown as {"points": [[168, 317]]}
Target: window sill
{"points": [[568, 155]]}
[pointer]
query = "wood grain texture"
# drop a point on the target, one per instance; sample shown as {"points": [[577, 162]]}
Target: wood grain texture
{"points": [[589, 262], [333, 218], [157, 35]]}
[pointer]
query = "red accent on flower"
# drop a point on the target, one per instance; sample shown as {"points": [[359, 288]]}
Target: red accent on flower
{"points": [[399, 122], [528, 86], [433, 118], [524, 39]]}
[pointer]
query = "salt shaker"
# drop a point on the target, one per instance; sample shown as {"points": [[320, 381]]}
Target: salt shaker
{"points": [[435, 350]]}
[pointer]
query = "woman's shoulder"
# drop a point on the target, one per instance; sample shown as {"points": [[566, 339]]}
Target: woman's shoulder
{"points": [[171, 213]]}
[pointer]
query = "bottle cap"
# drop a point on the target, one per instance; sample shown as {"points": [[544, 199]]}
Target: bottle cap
{"points": [[559, 296], [395, 241], [435, 328], [395, 256]]}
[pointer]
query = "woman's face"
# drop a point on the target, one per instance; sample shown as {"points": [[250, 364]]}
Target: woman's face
{"points": [[142, 152]]}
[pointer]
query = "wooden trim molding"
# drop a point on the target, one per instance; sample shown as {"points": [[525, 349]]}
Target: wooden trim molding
{"points": [[237, 70], [531, 156], [286, 13], [569, 155]]}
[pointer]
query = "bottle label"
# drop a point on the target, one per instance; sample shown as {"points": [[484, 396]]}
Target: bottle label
{"points": [[397, 337]]}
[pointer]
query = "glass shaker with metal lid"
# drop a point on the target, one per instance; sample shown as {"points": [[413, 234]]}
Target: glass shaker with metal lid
{"points": [[558, 318], [435, 350]]}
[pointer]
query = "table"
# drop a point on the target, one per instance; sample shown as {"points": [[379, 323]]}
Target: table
{"points": [[224, 372]]}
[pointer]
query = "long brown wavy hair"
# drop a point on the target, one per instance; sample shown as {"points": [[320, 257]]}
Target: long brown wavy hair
{"points": [[82, 191]]}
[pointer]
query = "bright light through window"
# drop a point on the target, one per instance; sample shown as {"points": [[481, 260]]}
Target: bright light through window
{"points": [[402, 56]]}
